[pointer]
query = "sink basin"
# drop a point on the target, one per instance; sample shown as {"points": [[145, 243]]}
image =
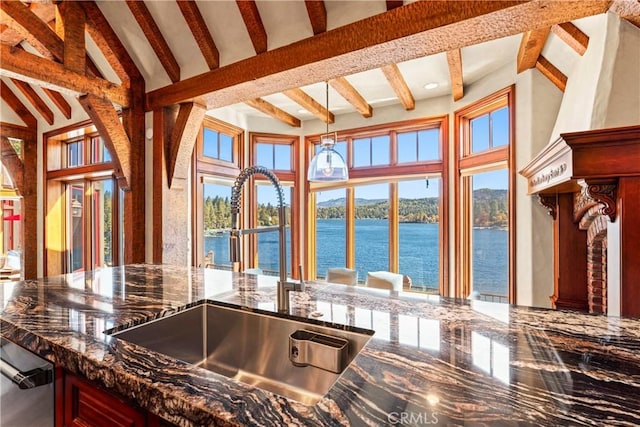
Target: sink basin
{"points": [[249, 346]]}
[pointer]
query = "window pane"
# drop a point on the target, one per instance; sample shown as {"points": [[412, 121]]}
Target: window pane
{"points": [[217, 223], [480, 134], [419, 232], [102, 202], [210, 143], [500, 127], [74, 154], [282, 157], [75, 215], [361, 152], [429, 144], [407, 148], [268, 245], [331, 239], [372, 228], [226, 148], [380, 150], [490, 238], [264, 155]]}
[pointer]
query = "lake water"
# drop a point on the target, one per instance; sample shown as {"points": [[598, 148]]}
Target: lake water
{"points": [[418, 257]]}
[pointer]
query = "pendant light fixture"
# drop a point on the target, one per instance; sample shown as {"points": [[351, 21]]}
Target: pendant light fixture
{"points": [[328, 165]]}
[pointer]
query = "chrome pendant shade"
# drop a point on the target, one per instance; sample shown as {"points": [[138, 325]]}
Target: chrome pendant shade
{"points": [[328, 165]]}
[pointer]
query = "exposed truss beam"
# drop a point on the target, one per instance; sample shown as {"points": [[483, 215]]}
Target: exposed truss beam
{"points": [[531, 46], [573, 36], [43, 34], [311, 105], [17, 106], [273, 111], [200, 32], [35, 100], [253, 22], [109, 44], [348, 92], [70, 28], [399, 86], [45, 73], [454, 59], [317, 15], [106, 120], [415, 30], [156, 40], [552, 73], [59, 101], [183, 138]]}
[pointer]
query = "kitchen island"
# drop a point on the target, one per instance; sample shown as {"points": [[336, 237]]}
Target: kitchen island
{"points": [[432, 360]]}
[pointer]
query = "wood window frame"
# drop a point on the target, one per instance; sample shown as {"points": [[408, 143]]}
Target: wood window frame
{"points": [[55, 198], [465, 160], [205, 167], [285, 176], [377, 174]]}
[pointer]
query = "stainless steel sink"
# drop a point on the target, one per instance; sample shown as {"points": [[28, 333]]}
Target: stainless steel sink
{"points": [[248, 346]]}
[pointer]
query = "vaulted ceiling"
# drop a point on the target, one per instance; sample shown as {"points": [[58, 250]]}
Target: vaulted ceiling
{"points": [[272, 57]]}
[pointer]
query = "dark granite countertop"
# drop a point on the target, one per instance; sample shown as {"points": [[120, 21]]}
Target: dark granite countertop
{"points": [[432, 361]]}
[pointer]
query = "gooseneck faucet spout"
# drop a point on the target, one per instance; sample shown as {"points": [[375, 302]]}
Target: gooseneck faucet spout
{"points": [[284, 286]]}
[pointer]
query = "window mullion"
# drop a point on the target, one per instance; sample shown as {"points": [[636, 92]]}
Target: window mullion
{"points": [[394, 241], [350, 223]]}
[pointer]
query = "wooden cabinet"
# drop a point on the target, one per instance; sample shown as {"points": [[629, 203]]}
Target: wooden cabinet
{"points": [[83, 405]]}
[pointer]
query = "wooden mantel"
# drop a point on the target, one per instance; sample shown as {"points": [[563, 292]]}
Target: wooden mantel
{"points": [[605, 164]]}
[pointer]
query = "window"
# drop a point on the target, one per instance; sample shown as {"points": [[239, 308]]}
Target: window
{"points": [[388, 220], [216, 165], [276, 153], [485, 231], [83, 206]]}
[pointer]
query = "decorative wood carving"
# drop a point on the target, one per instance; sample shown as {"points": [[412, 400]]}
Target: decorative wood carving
{"points": [[549, 202], [581, 205], [604, 192]]}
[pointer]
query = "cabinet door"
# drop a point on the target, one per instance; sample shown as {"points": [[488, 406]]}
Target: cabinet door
{"points": [[87, 406]]}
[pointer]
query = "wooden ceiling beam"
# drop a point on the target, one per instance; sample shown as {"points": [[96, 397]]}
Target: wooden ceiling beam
{"points": [[16, 33], [156, 40], [59, 101], [628, 10], [399, 86], [273, 111], [531, 46], [17, 106], [108, 42], [573, 36], [348, 92], [45, 73], [200, 32], [392, 4], [551, 72], [317, 15], [107, 121], [37, 28], [183, 138], [35, 100], [454, 60], [311, 105], [412, 31], [253, 22]]}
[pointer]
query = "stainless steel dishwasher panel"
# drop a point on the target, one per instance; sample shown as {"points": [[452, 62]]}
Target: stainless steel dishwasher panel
{"points": [[27, 390]]}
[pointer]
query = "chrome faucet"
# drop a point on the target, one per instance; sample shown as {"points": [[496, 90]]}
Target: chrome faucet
{"points": [[284, 286]]}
